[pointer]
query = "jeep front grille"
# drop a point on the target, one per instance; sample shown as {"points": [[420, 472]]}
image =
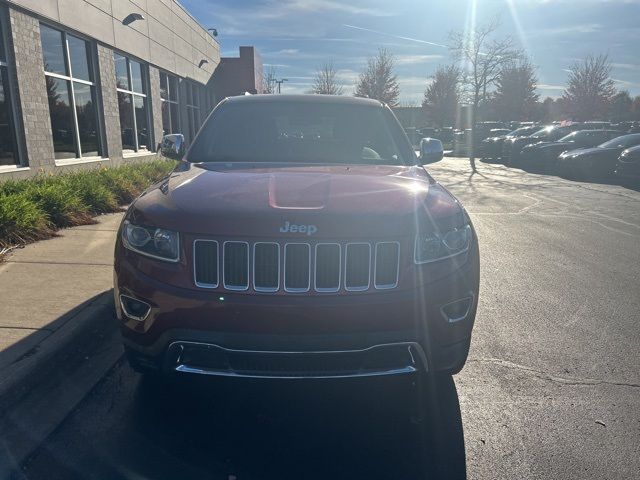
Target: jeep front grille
{"points": [[296, 267]]}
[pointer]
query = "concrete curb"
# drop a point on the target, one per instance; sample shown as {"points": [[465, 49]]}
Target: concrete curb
{"points": [[42, 388]]}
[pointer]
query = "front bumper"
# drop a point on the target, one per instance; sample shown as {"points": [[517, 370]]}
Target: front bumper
{"points": [[629, 170], [227, 331]]}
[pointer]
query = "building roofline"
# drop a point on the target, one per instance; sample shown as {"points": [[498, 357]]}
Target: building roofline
{"points": [[206, 29]]}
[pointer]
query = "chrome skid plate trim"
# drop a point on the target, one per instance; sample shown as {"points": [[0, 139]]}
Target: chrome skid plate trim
{"points": [[417, 362]]}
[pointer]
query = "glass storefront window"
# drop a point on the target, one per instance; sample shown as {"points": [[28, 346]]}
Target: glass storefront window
{"points": [[86, 114], [132, 103], [127, 128], [8, 152], [193, 109], [170, 107], [71, 93], [80, 59], [53, 50], [61, 113], [122, 77]]}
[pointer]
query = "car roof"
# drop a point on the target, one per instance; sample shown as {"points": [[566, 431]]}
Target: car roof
{"points": [[595, 130], [309, 98]]}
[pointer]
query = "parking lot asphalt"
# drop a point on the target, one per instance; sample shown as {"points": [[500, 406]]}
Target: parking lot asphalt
{"points": [[551, 388]]}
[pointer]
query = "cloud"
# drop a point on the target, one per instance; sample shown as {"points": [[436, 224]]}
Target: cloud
{"points": [[346, 75], [546, 86], [416, 59], [409, 39], [626, 66], [626, 83], [570, 29], [287, 51], [351, 7]]}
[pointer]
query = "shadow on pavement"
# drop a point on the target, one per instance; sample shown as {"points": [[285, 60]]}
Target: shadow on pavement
{"points": [[229, 428]]}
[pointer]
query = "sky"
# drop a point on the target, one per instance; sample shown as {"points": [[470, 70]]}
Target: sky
{"points": [[296, 37]]}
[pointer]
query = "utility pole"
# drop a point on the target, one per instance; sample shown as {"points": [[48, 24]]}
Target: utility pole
{"points": [[280, 82]]}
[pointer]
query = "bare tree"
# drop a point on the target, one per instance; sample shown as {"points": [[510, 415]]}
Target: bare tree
{"points": [[481, 58], [269, 81], [324, 81], [515, 97], [590, 88], [378, 80], [441, 96]]}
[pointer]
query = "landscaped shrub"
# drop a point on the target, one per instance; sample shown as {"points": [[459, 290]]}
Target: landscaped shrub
{"points": [[21, 220], [91, 188], [122, 185], [62, 205], [33, 209]]}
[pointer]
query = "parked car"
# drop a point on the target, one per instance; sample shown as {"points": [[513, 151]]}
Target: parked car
{"points": [[491, 148], [512, 146], [329, 253], [462, 140], [413, 135], [543, 155], [599, 161], [596, 124], [628, 166]]}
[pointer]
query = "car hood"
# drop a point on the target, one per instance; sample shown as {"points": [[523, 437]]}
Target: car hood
{"points": [[524, 140], [593, 152], [354, 201], [544, 145]]}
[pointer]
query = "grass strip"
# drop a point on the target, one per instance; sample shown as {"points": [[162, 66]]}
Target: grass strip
{"points": [[33, 209]]}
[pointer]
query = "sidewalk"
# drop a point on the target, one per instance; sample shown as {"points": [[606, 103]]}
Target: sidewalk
{"points": [[57, 329]]}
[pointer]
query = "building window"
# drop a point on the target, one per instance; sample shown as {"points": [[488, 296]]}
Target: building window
{"points": [[131, 79], [71, 91], [170, 107], [8, 150], [193, 109]]}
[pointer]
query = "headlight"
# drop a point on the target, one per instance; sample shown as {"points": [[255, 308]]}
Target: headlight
{"points": [[438, 246], [152, 242]]}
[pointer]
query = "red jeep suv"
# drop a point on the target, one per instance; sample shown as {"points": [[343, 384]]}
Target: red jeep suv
{"points": [[300, 236]]}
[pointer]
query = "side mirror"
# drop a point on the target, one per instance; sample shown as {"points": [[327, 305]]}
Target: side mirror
{"points": [[173, 146], [431, 150]]}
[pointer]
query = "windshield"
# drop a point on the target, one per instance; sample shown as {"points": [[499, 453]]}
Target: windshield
{"points": [[302, 132], [572, 137], [624, 141], [543, 132], [523, 131]]}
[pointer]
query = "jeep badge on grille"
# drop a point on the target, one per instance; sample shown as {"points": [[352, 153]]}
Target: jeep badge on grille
{"points": [[298, 228]]}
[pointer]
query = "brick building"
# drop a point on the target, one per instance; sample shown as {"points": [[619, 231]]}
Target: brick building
{"points": [[237, 75], [98, 82]]}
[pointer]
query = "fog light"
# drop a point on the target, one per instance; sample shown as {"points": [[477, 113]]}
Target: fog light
{"points": [[134, 308], [458, 310]]}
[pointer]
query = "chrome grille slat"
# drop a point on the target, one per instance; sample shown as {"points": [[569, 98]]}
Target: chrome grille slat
{"points": [[235, 265], [297, 267], [328, 260], [205, 263], [275, 266], [266, 267], [386, 266], [357, 267]]}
